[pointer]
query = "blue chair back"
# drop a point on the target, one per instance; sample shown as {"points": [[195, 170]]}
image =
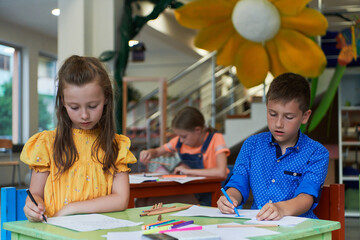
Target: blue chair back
{"points": [[12, 204]]}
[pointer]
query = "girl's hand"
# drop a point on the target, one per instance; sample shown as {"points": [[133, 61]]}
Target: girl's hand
{"points": [[270, 211], [225, 206], [145, 156], [181, 169], [32, 212]]}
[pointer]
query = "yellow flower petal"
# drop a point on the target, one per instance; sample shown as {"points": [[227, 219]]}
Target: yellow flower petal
{"points": [[213, 37], [252, 64], [290, 7], [203, 13], [276, 67], [310, 22], [300, 54], [226, 56]]}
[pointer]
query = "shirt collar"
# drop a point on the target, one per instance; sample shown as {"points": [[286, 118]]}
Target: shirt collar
{"points": [[297, 146]]}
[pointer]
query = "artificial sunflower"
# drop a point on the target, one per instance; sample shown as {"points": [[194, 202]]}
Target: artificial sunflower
{"points": [[258, 36]]}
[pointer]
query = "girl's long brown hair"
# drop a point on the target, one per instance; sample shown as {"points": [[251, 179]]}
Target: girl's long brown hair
{"points": [[79, 71]]}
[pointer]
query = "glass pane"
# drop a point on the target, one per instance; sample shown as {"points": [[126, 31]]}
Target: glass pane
{"points": [[6, 71], [46, 92]]}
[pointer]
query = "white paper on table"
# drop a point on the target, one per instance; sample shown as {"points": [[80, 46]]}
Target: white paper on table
{"points": [[123, 235], [240, 233], [180, 179], [285, 221], [140, 178], [214, 212], [90, 222]]}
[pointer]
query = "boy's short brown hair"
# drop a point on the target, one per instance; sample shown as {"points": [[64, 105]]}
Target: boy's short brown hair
{"points": [[290, 86]]}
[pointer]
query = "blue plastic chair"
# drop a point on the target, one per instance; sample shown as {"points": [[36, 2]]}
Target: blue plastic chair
{"points": [[12, 204]]}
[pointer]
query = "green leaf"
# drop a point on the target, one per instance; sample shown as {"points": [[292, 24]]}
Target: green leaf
{"points": [[327, 98]]}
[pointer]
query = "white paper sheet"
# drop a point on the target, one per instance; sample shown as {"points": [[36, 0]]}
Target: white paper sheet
{"points": [[90, 222], [224, 233], [123, 235], [214, 212], [246, 213], [240, 233], [139, 178], [285, 221]]}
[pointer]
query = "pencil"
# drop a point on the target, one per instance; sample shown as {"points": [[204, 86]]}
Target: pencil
{"points": [[248, 225], [33, 200], [161, 211]]}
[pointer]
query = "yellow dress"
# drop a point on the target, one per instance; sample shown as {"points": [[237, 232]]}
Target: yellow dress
{"points": [[84, 180]]}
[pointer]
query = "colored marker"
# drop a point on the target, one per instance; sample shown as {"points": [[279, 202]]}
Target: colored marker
{"points": [[182, 224], [162, 224], [228, 198]]}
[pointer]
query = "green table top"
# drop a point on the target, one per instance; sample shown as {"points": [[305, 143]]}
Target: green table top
{"points": [[312, 229]]}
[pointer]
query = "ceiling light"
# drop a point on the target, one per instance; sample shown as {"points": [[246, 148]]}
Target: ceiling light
{"points": [[133, 43], [55, 12]]}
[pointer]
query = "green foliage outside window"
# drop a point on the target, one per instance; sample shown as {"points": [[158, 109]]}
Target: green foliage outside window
{"points": [[6, 109]]}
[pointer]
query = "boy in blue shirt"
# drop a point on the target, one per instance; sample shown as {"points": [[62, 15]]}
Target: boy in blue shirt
{"points": [[284, 168]]}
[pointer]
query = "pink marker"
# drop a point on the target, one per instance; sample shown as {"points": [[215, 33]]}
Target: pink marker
{"points": [[181, 229]]}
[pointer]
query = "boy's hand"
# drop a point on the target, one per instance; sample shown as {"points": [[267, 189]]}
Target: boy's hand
{"points": [[225, 206], [270, 211], [32, 212]]}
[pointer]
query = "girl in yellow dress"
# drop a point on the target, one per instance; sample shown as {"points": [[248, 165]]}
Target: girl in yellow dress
{"points": [[81, 166]]}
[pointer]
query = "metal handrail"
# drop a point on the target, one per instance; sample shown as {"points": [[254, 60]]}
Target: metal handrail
{"points": [[219, 73], [174, 79]]}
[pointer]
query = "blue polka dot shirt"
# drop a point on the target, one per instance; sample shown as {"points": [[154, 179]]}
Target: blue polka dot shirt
{"points": [[273, 177]]}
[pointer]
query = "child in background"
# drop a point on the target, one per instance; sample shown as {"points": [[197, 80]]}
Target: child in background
{"points": [[81, 166], [284, 168], [203, 152]]}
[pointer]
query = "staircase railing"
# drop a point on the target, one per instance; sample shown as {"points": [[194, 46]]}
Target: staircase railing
{"points": [[228, 103]]}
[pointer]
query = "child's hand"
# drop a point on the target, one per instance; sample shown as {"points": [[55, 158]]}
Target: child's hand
{"points": [[32, 212], [146, 156], [225, 206], [270, 211], [181, 169]]}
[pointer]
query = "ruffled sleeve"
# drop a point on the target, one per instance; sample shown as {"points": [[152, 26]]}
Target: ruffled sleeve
{"points": [[125, 157], [37, 152]]}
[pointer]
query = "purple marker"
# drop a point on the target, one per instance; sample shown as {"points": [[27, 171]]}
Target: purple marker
{"points": [[182, 224]]}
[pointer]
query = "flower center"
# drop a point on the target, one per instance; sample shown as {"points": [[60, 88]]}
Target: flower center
{"points": [[256, 20]]}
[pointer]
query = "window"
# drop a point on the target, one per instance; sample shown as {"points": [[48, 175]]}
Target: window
{"points": [[4, 62], [7, 76], [46, 92]]}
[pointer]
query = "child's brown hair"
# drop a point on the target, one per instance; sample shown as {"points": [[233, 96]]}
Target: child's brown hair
{"points": [[79, 71], [188, 118], [290, 86]]}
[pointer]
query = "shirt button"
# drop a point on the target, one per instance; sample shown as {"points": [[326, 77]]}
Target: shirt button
{"points": [[294, 174], [297, 148], [278, 160], [199, 155], [273, 180]]}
